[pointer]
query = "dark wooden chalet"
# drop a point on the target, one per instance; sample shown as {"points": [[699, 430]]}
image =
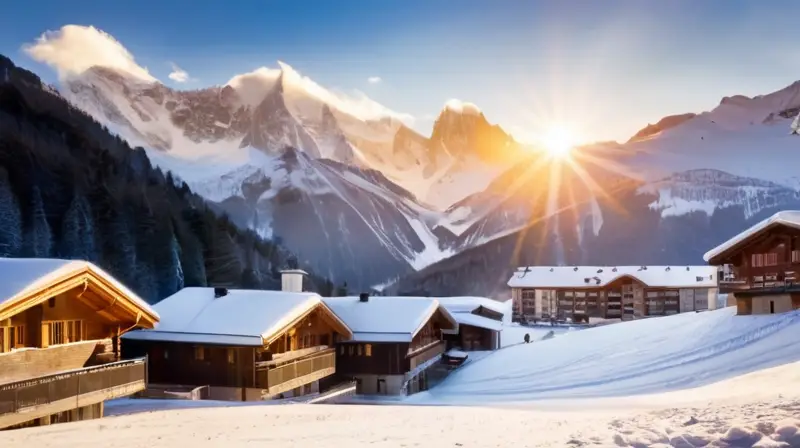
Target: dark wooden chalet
{"points": [[395, 341], [60, 322], [764, 265], [239, 344], [480, 323], [579, 293]]}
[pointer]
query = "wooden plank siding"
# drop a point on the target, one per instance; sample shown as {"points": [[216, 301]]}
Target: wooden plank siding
{"points": [[767, 260], [196, 364]]}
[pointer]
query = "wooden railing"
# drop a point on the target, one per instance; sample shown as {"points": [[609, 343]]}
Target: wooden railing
{"points": [[43, 390], [270, 377]]}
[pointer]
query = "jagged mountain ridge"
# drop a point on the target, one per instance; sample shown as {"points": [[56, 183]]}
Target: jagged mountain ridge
{"points": [[693, 181], [223, 143], [287, 118]]}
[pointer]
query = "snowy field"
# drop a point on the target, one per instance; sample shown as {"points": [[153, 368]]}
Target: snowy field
{"points": [[514, 334], [690, 380]]}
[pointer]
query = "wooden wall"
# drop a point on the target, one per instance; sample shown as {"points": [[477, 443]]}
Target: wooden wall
{"points": [[384, 358], [183, 363]]}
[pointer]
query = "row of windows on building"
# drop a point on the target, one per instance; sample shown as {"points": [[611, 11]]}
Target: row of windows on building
{"points": [[58, 332], [356, 349], [203, 353]]}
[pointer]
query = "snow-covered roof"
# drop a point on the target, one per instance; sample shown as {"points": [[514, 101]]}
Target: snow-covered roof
{"points": [[475, 320], [23, 277], [386, 319], [599, 276], [790, 218], [468, 304], [241, 317]]}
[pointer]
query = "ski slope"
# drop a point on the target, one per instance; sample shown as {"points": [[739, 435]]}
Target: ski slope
{"points": [[641, 357]]}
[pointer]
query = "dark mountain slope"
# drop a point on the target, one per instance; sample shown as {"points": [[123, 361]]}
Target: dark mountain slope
{"points": [[70, 189]]}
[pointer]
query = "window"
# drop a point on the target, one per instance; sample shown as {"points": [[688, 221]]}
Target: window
{"points": [[359, 349], [51, 302], [771, 259], [11, 338], [231, 356], [796, 256], [341, 349], [350, 350], [368, 349], [199, 353], [65, 331], [757, 260]]}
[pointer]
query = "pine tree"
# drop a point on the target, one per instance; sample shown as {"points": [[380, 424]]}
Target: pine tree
{"points": [[77, 232], [38, 242], [10, 219]]}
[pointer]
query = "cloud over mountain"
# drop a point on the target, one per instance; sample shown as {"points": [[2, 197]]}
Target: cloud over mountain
{"points": [[73, 49]]}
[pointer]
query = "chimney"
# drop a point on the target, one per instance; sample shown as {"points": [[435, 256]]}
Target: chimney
{"points": [[220, 292], [363, 297], [292, 280]]}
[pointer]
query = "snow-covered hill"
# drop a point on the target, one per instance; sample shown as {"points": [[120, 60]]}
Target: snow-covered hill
{"points": [[642, 357]]}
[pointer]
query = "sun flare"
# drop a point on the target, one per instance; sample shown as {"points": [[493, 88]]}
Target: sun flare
{"points": [[558, 141]]}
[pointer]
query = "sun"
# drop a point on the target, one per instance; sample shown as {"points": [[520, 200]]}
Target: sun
{"points": [[558, 141]]}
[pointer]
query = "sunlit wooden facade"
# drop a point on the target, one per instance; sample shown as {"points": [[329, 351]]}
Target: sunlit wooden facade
{"points": [[764, 266], [68, 318]]}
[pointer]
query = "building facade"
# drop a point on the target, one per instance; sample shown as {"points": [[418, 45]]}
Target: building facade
{"points": [[60, 328], [239, 345], [480, 323], [396, 340], [763, 263], [582, 293]]}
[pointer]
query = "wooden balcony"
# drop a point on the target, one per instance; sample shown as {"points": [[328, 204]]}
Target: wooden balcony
{"points": [[33, 398], [290, 370]]}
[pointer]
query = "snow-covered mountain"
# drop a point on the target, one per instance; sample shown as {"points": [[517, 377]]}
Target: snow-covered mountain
{"points": [[674, 190], [277, 153]]}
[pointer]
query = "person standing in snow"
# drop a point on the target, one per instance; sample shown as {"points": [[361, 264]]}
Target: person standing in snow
{"points": [[527, 338]]}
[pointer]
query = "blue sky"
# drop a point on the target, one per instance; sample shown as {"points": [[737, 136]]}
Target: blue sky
{"points": [[603, 69]]}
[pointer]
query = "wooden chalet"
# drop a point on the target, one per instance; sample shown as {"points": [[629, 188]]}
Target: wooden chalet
{"points": [[581, 293], [396, 340], [60, 323], [225, 344], [480, 323], [763, 263]]}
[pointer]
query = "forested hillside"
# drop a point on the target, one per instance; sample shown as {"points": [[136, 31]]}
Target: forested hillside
{"points": [[70, 189]]}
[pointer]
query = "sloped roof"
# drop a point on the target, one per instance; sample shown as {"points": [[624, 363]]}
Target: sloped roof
{"points": [[241, 317], [575, 276], [475, 320], [468, 304], [24, 277], [790, 218], [386, 319]]}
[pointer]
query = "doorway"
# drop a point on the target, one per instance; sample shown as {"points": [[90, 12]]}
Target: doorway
{"points": [[382, 386], [771, 307]]}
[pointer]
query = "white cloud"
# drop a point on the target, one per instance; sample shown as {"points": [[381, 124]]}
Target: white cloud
{"points": [[74, 48], [178, 74], [462, 107], [374, 79]]}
